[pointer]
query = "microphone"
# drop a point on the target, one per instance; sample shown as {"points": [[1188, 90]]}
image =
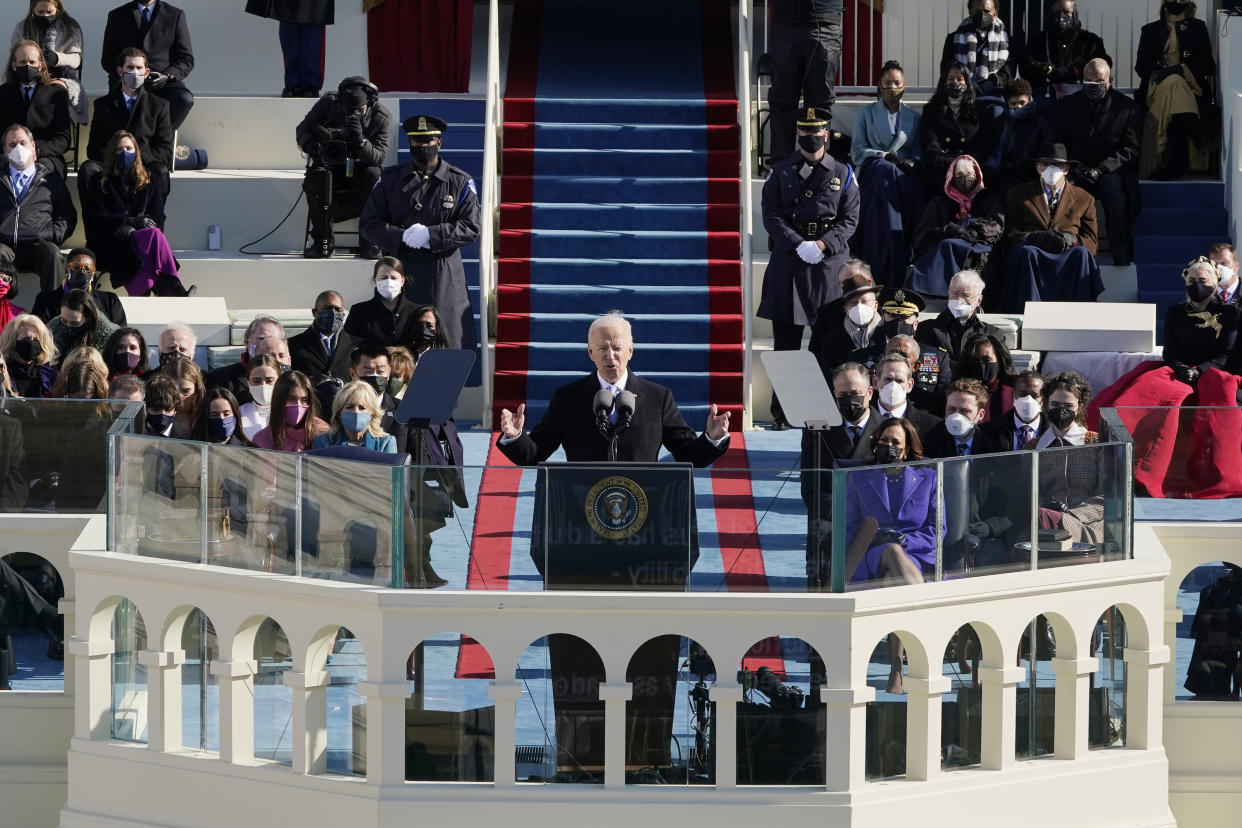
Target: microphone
{"points": [[626, 403], [602, 406]]}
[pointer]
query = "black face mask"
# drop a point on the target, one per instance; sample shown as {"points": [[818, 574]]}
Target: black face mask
{"points": [[158, 423], [1061, 418], [1095, 91], [963, 184], [424, 155], [885, 454], [852, 406], [329, 322], [812, 143], [380, 384], [78, 280], [26, 74], [1174, 8], [28, 349], [896, 327], [981, 21], [426, 335], [1197, 291], [1064, 21], [985, 372], [955, 91], [171, 357]]}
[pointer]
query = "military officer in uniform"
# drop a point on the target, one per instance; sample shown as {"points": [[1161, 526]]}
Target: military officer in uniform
{"points": [[423, 213], [810, 210], [899, 317]]}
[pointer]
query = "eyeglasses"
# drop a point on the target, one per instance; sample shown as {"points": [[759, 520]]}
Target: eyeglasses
{"points": [[81, 269], [6, 278]]}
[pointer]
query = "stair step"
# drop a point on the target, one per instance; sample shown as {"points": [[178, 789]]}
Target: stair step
{"points": [[563, 356], [621, 217], [622, 111], [540, 243], [649, 162], [1182, 221], [690, 328], [577, 189], [1172, 194], [1172, 247], [601, 299], [630, 136], [723, 272]]}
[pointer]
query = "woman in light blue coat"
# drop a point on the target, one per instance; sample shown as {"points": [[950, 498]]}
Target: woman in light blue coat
{"points": [[356, 416]]}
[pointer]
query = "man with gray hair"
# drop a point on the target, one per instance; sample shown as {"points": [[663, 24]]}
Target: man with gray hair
{"points": [[960, 321], [1100, 128], [233, 377]]}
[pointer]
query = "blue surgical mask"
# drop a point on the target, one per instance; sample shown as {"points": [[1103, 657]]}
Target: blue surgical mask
{"points": [[125, 158], [355, 422], [221, 428]]}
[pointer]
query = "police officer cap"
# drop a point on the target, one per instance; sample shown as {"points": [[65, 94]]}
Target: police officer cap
{"points": [[424, 126], [901, 302], [814, 117]]}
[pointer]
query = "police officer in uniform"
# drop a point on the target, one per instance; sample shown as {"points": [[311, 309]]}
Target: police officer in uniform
{"points": [[810, 210], [899, 314], [424, 212]]}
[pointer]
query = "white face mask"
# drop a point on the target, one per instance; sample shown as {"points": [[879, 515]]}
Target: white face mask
{"points": [[20, 155], [262, 394], [1227, 275], [388, 288], [893, 394], [960, 308], [959, 425], [861, 315], [1027, 408], [1052, 176]]}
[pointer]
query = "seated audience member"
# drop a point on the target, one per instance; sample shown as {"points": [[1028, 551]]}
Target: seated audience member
{"points": [[1070, 487], [888, 157], [987, 359], [960, 434], [177, 341], [893, 383], [29, 97], [1200, 333], [981, 44], [1024, 421], [9, 281], [130, 107], [387, 317], [262, 371], [60, 37], [125, 352], [1014, 138], [356, 416], [322, 350], [1178, 75], [190, 388], [294, 423], [127, 387], [430, 333], [233, 376], [949, 127], [369, 363], [29, 356], [958, 229], [960, 320], [162, 400], [849, 323], [218, 420], [402, 363], [1100, 129], [1225, 256], [123, 211], [80, 274], [36, 212], [81, 377], [1054, 59], [345, 138], [932, 371], [79, 323], [1050, 232], [159, 28]]}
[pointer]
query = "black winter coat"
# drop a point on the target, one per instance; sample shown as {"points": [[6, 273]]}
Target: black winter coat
{"points": [[1196, 47], [46, 116], [328, 114], [166, 43], [45, 214], [149, 123], [1104, 135], [105, 208], [945, 135], [313, 12], [1054, 56]]}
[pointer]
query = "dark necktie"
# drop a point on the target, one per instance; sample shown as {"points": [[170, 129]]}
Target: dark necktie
{"points": [[963, 449], [1054, 198], [29, 93], [129, 104], [887, 414], [146, 16], [327, 346], [854, 431], [1026, 434]]}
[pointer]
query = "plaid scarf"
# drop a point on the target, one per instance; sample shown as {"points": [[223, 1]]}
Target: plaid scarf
{"points": [[982, 59]]}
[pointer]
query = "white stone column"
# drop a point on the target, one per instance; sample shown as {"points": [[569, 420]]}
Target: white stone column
{"points": [[93, 687], [505, 694], [845, 755], [726, 697], [923, 719], [1073, 706], [1172, 617], [614, 695], [1000, 710], [310, 720], [163, 698], [1144, 708], [236, 709], [385, 731]]}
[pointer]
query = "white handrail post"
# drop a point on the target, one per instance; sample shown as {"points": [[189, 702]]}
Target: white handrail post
{"points": [[744, 14], [488, 209]]}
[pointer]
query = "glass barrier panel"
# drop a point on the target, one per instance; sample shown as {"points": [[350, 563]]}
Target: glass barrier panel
{"points": [[57, 453], [1107, 716], [781, 722], [560, 717], [1206, 656], [616, 528], [345, 707], [1183, 452], [461, 525], [670, 718], [1034, 724], [32, 633], [1083, 504], [252, 509], [987, 513], [450, 720], [129, 676], [161, 494], [347, 521]]}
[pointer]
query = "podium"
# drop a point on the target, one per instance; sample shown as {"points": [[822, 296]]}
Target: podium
{"points": [[618, 526]]}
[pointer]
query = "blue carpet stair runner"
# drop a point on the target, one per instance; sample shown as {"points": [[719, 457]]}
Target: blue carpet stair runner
{"points": [[615, 200], [1180, 220]]}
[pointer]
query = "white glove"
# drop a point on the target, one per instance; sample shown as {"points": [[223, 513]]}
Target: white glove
{"points": [[416, 235], [810, 253]]}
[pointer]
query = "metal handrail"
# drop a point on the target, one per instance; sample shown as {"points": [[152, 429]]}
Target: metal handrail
{"points": [[745, 12], [489, 219]]}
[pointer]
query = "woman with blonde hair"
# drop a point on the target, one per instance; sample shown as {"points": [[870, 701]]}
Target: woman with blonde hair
{"points": [[29, 352], [123, 212], [355, 421]]}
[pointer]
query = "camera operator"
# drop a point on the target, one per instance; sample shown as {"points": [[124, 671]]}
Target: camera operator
{"points": [[345, 138]]}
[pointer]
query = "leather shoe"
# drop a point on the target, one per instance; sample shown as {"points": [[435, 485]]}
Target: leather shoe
{"points": [[319, 249], [779, 424], [366, 250]]}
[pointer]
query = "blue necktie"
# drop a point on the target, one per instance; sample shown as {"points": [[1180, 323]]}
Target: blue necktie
{"points": [[963, 449], [146, 16], [20, 183]]}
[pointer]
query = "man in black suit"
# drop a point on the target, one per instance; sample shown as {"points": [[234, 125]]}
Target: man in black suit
{"points": [[29, 97], [323, 350], [1225, 256], [36, 211], [570, 422], [1100, 128], [130, 107], [960, 434], [893, 382], [158, 29], [1025, 421], [960, 322]]}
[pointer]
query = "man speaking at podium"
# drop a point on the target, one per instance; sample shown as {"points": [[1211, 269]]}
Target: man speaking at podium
{"points": [[575, 420]]}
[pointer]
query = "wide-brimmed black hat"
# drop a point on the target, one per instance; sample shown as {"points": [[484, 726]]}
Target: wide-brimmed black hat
{"points": [[855, 284], [901, 302], [1053, 153]]}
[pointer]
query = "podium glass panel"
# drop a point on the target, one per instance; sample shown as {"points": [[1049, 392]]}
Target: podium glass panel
{"points": [[159, 489], [1084, 504], [352, 517]]}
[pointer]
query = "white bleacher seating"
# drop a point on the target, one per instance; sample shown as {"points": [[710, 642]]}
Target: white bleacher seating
{"points": [[1089, 326]]}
